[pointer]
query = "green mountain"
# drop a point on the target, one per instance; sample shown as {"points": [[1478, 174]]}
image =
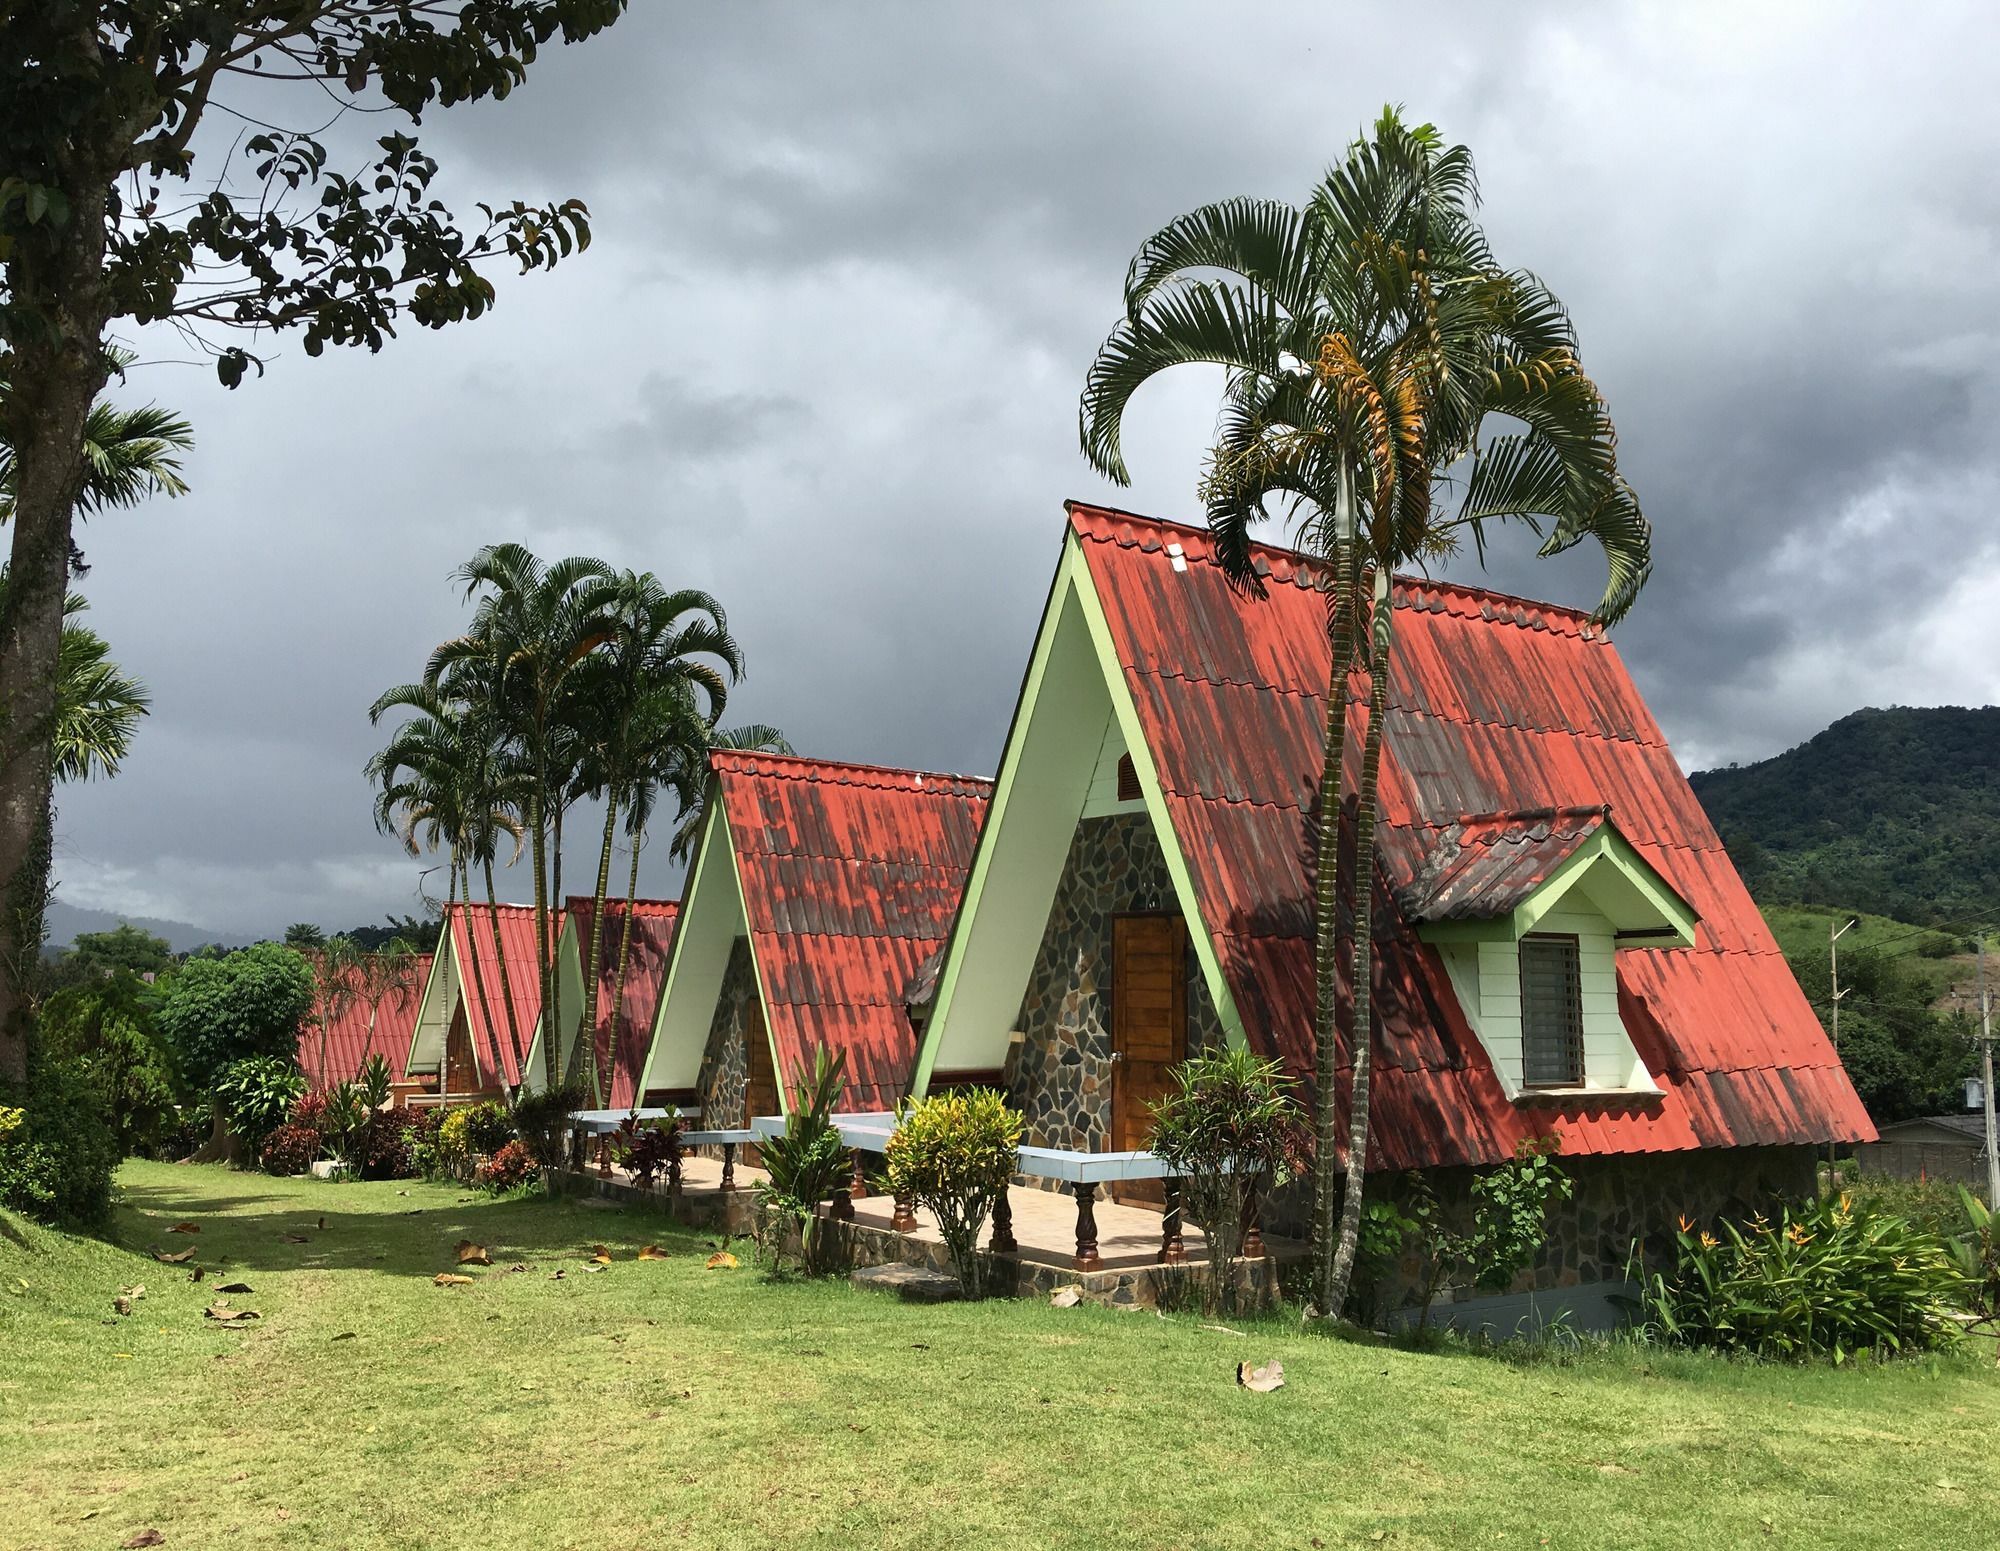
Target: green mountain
{"points": [[1895, 812]]}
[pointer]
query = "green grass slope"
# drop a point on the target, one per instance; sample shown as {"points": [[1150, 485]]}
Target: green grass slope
{"points": [[1895, 812], [660, 1404]]}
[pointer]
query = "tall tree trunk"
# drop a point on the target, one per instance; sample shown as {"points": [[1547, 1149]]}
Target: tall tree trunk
{"points": [[551, 1057], [624, 960], [1363, 1039], [587, 1028], [1326, 949], [499, 958], [57, 369], [472, 952]]}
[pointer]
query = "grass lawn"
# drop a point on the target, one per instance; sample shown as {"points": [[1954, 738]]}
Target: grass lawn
{"points": [[659, 1403]]}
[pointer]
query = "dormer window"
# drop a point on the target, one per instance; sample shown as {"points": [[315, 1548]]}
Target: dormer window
{"points": [[1551, 1012]]}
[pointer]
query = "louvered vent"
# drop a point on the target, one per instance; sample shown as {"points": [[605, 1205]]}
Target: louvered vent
{"points": [[1128, 779]]}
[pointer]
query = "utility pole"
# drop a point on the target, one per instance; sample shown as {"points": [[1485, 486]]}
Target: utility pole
{"points": [[1986, 1082], [1833, 968]]}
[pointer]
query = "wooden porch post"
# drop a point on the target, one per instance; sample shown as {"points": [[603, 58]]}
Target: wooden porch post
{"points": [[728, 1165], [1003, 1242], [905, 1219], [1087, 1258], [857, 1187], [1173, 1251], [1253, 1231]]}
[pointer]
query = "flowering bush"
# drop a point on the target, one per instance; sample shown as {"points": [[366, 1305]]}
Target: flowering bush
{"points": [[291, 1149], [309, 1110], [381, 1149], [508, 1169], [1826, 1279], [954, 1153]]}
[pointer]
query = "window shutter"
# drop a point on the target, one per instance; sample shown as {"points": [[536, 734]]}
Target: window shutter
{"points": [[1128, 780], [1551, 1012]]}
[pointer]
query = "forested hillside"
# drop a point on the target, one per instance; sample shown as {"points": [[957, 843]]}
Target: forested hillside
{"points": [[1895, 812]]}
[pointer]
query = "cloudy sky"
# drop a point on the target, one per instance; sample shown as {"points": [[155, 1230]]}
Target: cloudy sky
{"points": [[850, 264]]}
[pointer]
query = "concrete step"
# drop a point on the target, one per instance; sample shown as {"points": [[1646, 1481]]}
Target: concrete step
{"points": [[913, 1284]]}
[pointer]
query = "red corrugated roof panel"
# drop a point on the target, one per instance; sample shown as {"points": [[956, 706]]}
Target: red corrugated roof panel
{"points": [[624, 1034], [1497, 706], [364, 1026], [851, 875], [472, 934]]}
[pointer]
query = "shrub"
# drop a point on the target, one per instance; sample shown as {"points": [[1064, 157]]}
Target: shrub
{"points": [[803, 1165], [381, 1147], [257, 1094], [342, 1118], [1230, 1130], [291, 1149], [106, 1026], [1976, 1253], [508, 1169], [308, 1110], [374, 1081], [454, 1144], [541, 1120], [421, 1128], [954, 1154], [647, 1147], [1510, 1210], [57, 1147], [1825, 1279], [488, 1127]]}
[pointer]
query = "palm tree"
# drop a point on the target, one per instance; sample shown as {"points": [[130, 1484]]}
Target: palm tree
{"points": [[128, 454], [531, 629], [98, 704], [653, 678], [445, 783], [1366, 339]]}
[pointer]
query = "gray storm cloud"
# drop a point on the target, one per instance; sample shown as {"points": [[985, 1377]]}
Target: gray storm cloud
{"points": [[823, 357]]}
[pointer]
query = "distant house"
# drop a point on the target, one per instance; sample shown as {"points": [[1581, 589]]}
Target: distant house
{"points": [[362, 1027], [1944, 1147], [623, 1034], [1562, 943], [817, 893], [463, 1039]]}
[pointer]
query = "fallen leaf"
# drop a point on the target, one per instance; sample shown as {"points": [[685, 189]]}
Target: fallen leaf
{"points": [[196, 1274], [322, 1225], [517, 1267], [601, 1254], [226, 1314], [471, 1254], [1611, 1467], [557, 1275], [1262, 1379], [345, 1335], [1224, 1330], [235, 1287], [145, 1537], [121, 1304], [122, 1356], [176, 1258], [652, 1252], [185, 1227], [135, 1293], [598, 1266], [295, 1238], [1065, 1297], [450, 1279], [722, 1260], [88, 1513]]}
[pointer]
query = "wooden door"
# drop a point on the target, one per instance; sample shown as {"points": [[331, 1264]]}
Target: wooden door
{"points": [[1148, 1030], [760, 1089], [461, 1072]]}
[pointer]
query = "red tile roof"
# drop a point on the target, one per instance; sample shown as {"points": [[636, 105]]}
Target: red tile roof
{"points": [[362, 1029], [1496, 706], [622, 1041], [1483, 867], [472, 934], [851, 875]]}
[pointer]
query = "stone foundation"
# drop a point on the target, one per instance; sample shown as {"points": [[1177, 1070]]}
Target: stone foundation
{"points": [[1059, 1073]]}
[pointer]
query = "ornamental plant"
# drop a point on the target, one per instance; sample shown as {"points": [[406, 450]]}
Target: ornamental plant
{"points": [[291, 1149], [803, 1165], [1230, 1131], [257, 1094], [454, 1148], [1510, 1210], [1976, 1254], [341, 1122], [488, 1127], [541, 1120], [1826, 1279], [647, 1147], [954, 1154], [508, 1169]]}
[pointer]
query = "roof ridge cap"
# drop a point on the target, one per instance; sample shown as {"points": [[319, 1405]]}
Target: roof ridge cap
{"points": [[743, 759]]}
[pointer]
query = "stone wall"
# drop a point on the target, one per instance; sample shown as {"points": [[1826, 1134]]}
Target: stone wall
{"points": [[1637, 1198], [725, 1062], [1059, 1074]]}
